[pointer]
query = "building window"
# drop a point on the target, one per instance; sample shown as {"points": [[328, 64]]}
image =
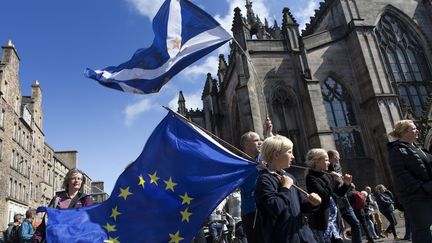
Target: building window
{"points": [[31, 191], [16, 163], [15, 130], [14, 189], [341, 118], [10, 187], [2, 116], [1, 149], [4, 89], [405, 64], [17, 105], [12, 158]]}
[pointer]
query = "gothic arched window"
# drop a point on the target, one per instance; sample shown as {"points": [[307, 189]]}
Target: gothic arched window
{"points": [[341, 118], [405, 64], [286, 119]]}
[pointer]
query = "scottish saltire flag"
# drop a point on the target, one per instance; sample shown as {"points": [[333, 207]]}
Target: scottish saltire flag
{"points": [[164, 196], [183, 34]]}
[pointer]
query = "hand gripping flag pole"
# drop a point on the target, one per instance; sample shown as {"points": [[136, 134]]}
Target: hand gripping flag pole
{"points": [[183, 34]]}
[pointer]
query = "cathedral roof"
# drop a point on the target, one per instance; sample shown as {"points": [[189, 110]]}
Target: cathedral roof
{"points": [[210, 86], [288, 18], [222, 63], [181, 97], [319, 14]]}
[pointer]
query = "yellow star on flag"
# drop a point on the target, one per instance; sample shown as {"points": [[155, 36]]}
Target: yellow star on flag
{"points": [[175, 238], [170, 184], [110, 228], [153, 178], [115, 213], [186, 199], [112, 240], [185, 215], [125, 193], [141, 181]]}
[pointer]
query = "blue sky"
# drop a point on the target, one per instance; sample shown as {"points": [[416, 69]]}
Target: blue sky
{"points": [[57, 40]]}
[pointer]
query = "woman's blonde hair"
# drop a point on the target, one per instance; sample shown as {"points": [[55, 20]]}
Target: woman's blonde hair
{"points": [[314, 155], [273, 145], [400, 127]]}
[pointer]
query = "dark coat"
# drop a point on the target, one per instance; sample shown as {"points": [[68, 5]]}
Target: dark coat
{"points": [[384, 201], [410, 175], [280, 210], [324, 185], [80, 200]]}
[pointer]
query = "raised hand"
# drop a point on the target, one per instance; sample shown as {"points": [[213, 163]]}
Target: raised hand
{"points": [[267, 127]]}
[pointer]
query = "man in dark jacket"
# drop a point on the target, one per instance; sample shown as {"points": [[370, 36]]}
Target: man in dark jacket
{"points": [[11, 234]]}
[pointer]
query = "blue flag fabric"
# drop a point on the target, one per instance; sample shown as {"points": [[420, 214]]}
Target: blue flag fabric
{"points": [[164, 196], [183, 34]]}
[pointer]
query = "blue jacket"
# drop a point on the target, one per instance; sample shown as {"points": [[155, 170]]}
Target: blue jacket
{"points": [[26, 231], [247, 194]]}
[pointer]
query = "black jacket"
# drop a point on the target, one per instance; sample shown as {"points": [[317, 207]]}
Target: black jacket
{"points": [[280, 210], [324, 185], [409, 168]]}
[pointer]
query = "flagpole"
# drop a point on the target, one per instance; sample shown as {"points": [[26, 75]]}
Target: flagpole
{"points": [[220, 140]]}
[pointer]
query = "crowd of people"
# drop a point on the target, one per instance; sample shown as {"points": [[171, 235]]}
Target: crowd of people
{"points": [[275, 209], [271, 207]]}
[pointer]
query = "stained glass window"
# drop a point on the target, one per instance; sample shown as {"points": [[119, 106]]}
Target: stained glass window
{"points": [[405, 64], [341, 118]]}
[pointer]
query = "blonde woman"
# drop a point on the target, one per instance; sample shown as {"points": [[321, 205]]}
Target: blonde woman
{"points": [[324, 221], [412, 177], [280, 204]]}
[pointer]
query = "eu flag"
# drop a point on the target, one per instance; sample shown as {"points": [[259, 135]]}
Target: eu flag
{"points": [[164, 196], [183, 34]]}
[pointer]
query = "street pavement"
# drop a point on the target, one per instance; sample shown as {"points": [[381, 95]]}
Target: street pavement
{"points": [[400, 229]]}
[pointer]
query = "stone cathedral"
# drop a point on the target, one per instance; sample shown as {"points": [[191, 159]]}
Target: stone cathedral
{"points": [[357, 68]]}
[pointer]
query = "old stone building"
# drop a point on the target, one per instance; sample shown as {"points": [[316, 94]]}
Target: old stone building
{"points": [[30, 170], [358, 67], [98, 192]]}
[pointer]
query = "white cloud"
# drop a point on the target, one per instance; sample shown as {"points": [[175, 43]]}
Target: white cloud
{"points": [[259, 7], [303, 15], [193, 100], [146, 8], [209, 65], [132, 111]]}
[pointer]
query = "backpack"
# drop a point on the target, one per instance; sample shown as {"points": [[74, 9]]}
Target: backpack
{"points": [[359, 200], [13, 236]]}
